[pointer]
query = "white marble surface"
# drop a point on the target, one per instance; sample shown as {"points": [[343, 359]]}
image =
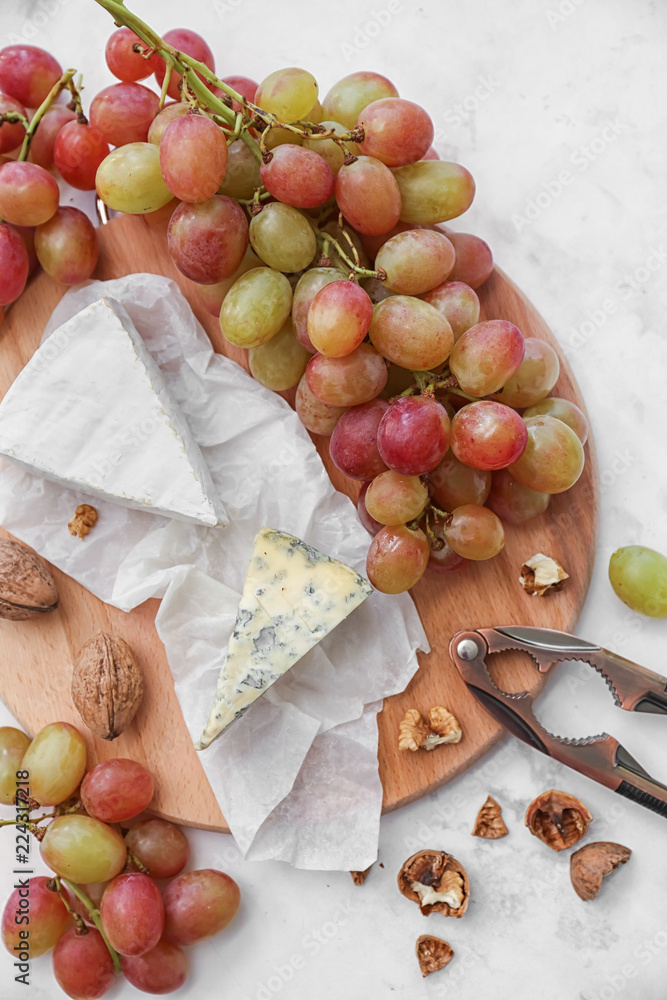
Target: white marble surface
{"points": [[520, 91]]}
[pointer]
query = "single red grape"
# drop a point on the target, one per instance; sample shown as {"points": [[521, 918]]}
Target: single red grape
{"points": [[353, 446], [28, 73], [368, 195], [123, 112], [475, 532], [66, 246], [43, 140], [488, 435], [207, 241], [486, 356], [297, 176], [357, 378], [395, 131], [47, 918], [413, 435], [198, 904], [14, 264], [512, 501], [193, 157], [126, 64], [77, 153], [11, 133], [132, 913], [28, 194], [160, 846], [452, 483], [116, 790], [163, 969], [397, 558], [474, 260], [82, 964]]}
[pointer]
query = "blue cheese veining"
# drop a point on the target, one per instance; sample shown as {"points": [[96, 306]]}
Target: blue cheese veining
{"points": [[91, 411], [293, 596]]}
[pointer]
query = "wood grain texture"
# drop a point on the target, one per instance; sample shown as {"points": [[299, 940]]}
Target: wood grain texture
{"points": [[36, 656]]}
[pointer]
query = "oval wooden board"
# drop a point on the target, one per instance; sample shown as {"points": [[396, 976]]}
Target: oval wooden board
{"points": [[36, 656]]}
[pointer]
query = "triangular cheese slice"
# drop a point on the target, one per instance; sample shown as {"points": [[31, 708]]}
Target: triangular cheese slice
{"points": [[292, 597], [91, 411]]}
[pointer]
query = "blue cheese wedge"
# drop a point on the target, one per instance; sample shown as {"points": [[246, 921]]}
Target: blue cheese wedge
{"points": [[91, 411], [293, 596]]}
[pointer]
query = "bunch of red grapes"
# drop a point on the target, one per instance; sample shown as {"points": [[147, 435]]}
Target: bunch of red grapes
{"points": [[108, 908], [313, 230]]}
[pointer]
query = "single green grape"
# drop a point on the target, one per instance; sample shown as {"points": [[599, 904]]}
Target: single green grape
{"points": [[255, 307], [129, 179], [283, 237], [280, 363], [638, 576]]}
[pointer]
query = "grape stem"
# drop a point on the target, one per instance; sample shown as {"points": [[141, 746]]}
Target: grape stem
{"points": [[55, 885], [94, 916], [31, 128], [325, 241]]}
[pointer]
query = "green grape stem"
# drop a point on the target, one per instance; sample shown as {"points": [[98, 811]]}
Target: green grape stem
{"points": [[55, 885], [94, 916], [31, 127]]}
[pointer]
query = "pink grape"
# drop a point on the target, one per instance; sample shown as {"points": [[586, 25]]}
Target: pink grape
{"points": [[349, 96], [452, 484], [486, 356], [395, 131], [353, 446], [191, 44], [488, 435], [392, 498], [66, 246], [14, 264], [126, 64], [458, 303], [534, 378], [198, 905], [28, 73], [44, 139], [444, 559], [513, 502], [415, 261], [11, 133], [82, 964], [413, 435], [563, 410], [123, 112], [370, 524], [316, 416], [475, 532], [27, 234], [307, 287], [338, 318], [357, 378], [244, 86], [207, 241], [434, 191], [116, 790], [397, 558], [77, 153], [47, 918], [163, 969], [553, 458], [298, 177], [163, 120], [368, 195], [193, 157], [28, 194], [474, 260], [160, 846], [411, 333], [132, 913]]}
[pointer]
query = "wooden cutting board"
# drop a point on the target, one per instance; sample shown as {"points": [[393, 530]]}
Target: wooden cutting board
{"points": [[36, 656]]}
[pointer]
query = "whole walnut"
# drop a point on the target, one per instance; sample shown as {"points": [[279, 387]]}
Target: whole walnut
{"points": [[107, 685], [27, 589]]}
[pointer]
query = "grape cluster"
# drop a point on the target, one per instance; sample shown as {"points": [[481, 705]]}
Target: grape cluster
{"points": [[314, 230], [103, 912]]}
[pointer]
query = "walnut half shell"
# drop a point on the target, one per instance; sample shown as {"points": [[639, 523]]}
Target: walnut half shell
{"points": [[558, 819], [489, 822], [27, 589], [590, 864], [433, 954], [437, 882], [107, 685]]}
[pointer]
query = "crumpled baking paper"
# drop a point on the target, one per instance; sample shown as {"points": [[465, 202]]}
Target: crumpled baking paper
{"points": [[296, 777]]}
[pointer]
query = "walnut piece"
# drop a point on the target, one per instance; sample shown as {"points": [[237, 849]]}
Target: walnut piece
{"points": [[414, 733], [107, 685], [433, 954], [489, 822], [360, 877], [541, 574], [436, 881], [590, 864], [85, 518], [27, 589], [558, 819]]}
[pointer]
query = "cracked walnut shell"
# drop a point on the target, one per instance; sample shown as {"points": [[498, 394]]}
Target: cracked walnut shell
{"points": [[558, 819], [360, 877], [437, 882], [590, 864], [107, 685], [433, 954], [490, 823], [85, 518], [27, 589], [414, 733]]}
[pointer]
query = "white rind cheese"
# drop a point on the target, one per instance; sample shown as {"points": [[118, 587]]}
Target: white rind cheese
{"points": [[292, 597], [91, 411]]}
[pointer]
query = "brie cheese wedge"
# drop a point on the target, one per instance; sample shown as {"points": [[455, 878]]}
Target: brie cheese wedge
{"points": [[91, 411], [292, 597]]}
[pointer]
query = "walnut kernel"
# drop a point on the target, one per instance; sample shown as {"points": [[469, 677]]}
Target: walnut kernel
{"points": [[489, 822], [436, 881], [414, 733], [558, 819], [85, 518], [107, 685], [360, 877], [541, 574], [433, 954], [591, 863], [27, 589]]}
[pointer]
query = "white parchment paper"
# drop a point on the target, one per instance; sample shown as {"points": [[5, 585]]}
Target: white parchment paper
{"points": [[296, 777]]}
